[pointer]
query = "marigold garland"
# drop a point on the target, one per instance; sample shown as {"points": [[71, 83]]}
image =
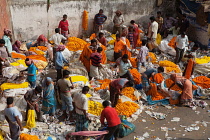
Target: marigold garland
{"points": [[169, 82], [153, 57], [189, 69], [202, 81], [85, 20], [202, 60], [105, 84], [37, 57], [95, 108], [42, 48], [37, 51], [18, 55], [172, 43], [129, 92], [167, 63], [133, 62], [6, 86], [136, 76], [75, 44], [88, 95], [93, 36], [126, 108]]}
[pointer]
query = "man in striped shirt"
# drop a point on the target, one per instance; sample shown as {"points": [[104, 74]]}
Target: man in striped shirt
{"points": [[96, 59], [99, 20]]}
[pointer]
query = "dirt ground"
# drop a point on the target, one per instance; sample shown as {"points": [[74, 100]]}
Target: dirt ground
{"points": [[187, 117], [153, 127]]}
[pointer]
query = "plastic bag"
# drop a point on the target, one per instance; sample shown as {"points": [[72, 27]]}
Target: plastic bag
{"points": [[159, 38], [1, 137], [126, 128], [31, 122]]}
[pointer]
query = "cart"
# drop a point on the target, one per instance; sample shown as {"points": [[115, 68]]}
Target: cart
{"points": [[91, 134]]}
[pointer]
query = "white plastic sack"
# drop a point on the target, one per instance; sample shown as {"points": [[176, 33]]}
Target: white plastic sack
{"points": [[110, 55], [78, 69], [172, 52], [104, 94], [125, 98], [105, 72], [10, 72], [202, 68], [20, 67], [67, 54], [165, 48]]}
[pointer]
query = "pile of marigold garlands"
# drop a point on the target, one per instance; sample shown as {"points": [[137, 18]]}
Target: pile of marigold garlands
{"points": [[126, 108], [95, 108], [129, 92], [75, 44], [169, 66]]}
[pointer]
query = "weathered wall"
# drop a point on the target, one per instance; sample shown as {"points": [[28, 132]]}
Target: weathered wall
{"points": [[4, 16], [30, 18]]}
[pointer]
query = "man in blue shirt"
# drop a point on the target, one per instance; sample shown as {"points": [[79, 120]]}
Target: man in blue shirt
{"points": [[59, 61], [31, 72], [99, 20]]}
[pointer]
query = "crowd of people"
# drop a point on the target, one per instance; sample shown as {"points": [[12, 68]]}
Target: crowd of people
{"points": [[93, 57]]}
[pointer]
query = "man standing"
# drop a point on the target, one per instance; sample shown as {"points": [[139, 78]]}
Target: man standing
{"points": [[14, 118], [96, 59], [3, 54], [99, 20], [152, 35], [113, 120], [64, 26], [142, 56], [184, 24], [64, 87], [80, 102], [56, 38], [159, 20], [118, 21], [115, 88], [31, 72], [59, 61], [181, 43], [32, 98]]}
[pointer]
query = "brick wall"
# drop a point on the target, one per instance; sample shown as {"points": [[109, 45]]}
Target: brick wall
{"points": [[4, 17]]}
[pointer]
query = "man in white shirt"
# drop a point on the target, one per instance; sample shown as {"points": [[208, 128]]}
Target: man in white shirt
{"points": [[118, 21], [124, 66], [182, 43], [57, 38], [80, 102], [152, 34]]}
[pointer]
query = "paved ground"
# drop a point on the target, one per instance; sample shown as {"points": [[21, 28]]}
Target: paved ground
{"points": [[187, 117]]}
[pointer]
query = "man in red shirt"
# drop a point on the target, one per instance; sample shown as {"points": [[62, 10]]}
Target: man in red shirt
{"points": [[113, 120], [64, 26], [115, 88]]}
